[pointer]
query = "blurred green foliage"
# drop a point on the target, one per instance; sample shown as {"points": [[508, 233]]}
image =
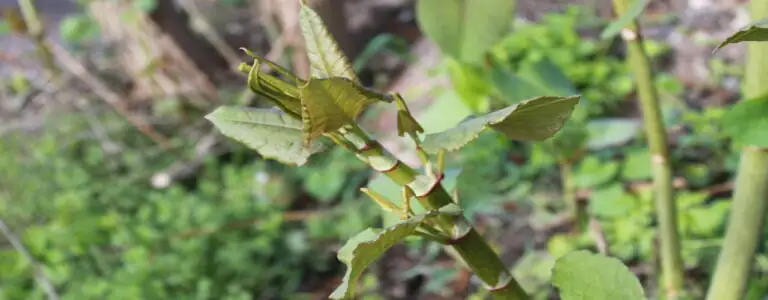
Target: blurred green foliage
{"points": [[100, 231]]}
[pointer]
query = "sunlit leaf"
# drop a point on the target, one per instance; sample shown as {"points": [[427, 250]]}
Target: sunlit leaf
{"points": [[329, 104], [325, 56], [747, 122], [611, 202], [634, 11], [610, 132], [365, 248], [592, 172], [532, 120], [755, 32], [584, 275], [271, 133], [465, 29], [637, 165]]}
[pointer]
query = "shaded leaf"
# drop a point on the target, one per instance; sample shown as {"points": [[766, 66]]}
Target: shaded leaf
{"points": [[634, 11], [549, 76], [610, 132], [532, 120], [325, 56], [584, 275], [465, 29], [329, 104], [269, 132], [365, 248], [755, 32], [512, 87], [747, 122]]}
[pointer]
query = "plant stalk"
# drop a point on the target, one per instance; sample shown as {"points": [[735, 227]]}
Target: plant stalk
{"points": [[750, 198], [666, 208], [36, 33], [473, 250], [571, 200]]}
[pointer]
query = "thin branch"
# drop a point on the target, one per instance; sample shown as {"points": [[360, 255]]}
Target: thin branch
{"points": [[109, 96], [210, 34], [44, 281]]}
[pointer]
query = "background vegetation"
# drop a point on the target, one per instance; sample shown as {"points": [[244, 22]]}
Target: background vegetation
{"points": [[112, 186]]}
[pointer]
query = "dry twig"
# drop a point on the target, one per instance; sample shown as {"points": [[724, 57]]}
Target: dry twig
{"points": [[109, 96]]}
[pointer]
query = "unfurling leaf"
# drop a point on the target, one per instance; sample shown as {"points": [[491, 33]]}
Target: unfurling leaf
{"points": [[629, 16], [325, 56], [329, 104], [364, 248], [584, 275], [281, 93], [532, 120], [755, 32], [406, 123], [747, 122], [271, 133], [465, 29]]}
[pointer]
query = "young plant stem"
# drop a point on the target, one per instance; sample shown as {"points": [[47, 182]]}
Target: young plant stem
{"points": [[750, 198], [36, 33], [569, 195], [666, 208], [465, 241]]}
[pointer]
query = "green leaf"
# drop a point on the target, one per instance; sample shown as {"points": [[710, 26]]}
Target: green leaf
{"points": [[447, 111], [364, 248], [469, 82], [282, 94], [611, 132], [705, 220], [329, 104], [755, 32], [532, 120], [271, 133], [465, 29], [550, 77], [637, 165], [407, 124], [325, 56], [634, 11], [145, 5], [584, 275], [747, 122], [592, 172], [78, 27], [512, 87], [612, 202]]}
